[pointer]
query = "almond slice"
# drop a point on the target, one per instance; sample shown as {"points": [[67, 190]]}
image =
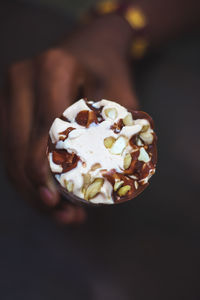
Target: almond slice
{"points": [[119, 145], [127, 161], [111, 113], [86, 179], [69, 185], [94, 188], [145, 128], [124, 190], [136, 184], [147, 137], [109, 141], [128, 120], [143, 156], [133, 177], [118, 184]]}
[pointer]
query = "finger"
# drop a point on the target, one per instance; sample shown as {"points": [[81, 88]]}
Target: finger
{"points": [[18, 113], [116, 86], [94, 87], [17, 102], [56, 86], [69, 214], [121, 89]]}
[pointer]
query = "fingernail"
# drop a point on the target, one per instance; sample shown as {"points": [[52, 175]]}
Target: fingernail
{"points": [[81, 215], [70, 215], [48, 197], [66, 215]]}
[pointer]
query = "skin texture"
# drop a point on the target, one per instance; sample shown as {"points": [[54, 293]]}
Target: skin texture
{"points": [[92, 62]]}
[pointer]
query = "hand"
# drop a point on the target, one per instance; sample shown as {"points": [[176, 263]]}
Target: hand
{"points": [[93, 61], [36, 92]]}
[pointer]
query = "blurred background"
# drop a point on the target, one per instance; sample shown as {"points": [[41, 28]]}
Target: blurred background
{"points": [[146, 248]]}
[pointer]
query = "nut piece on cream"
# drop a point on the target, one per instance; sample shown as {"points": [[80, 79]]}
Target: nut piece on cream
{"points": [[102, 153]]}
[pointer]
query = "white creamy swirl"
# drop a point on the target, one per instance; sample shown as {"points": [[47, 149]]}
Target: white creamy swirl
{"points": [[88, 144]]}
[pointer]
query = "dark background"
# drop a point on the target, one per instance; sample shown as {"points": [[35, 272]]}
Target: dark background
{"points": [[148, 248]]}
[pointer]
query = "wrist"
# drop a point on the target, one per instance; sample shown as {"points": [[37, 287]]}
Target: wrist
{"points": [[114, 32], [132, 27], [106, 36]]}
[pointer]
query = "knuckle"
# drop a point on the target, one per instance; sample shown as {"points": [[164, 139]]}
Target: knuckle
{"points": [[55, 59], [17, 68], [50, 58]]}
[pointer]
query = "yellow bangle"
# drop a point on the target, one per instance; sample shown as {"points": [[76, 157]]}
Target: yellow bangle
{"points": [[106, 7], [135, 18], [139, 47]]}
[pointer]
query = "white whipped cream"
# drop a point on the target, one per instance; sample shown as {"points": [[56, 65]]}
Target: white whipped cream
{"points": [[88, 144]]}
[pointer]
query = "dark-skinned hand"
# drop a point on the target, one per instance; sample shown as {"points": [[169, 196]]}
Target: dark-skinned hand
{"points": [[91, 61]]}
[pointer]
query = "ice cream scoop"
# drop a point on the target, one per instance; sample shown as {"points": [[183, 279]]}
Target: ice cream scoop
{"points": [[102, 153]]}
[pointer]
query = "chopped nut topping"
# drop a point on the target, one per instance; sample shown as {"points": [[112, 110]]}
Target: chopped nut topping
{"points": [[64, 134], [117, 127], [86, 117], [119, 145], [68, 161], [145, 128], [94, 188], [69, 185], [124, 190], [127, 161], [92, 118], [111, 113], [147, 137], [109, 141], [118, 184], [136, 184], [128, 120], [133, 177], [82, 117], [139, 142], [144, 156], [86, 179], [152, 171]]}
